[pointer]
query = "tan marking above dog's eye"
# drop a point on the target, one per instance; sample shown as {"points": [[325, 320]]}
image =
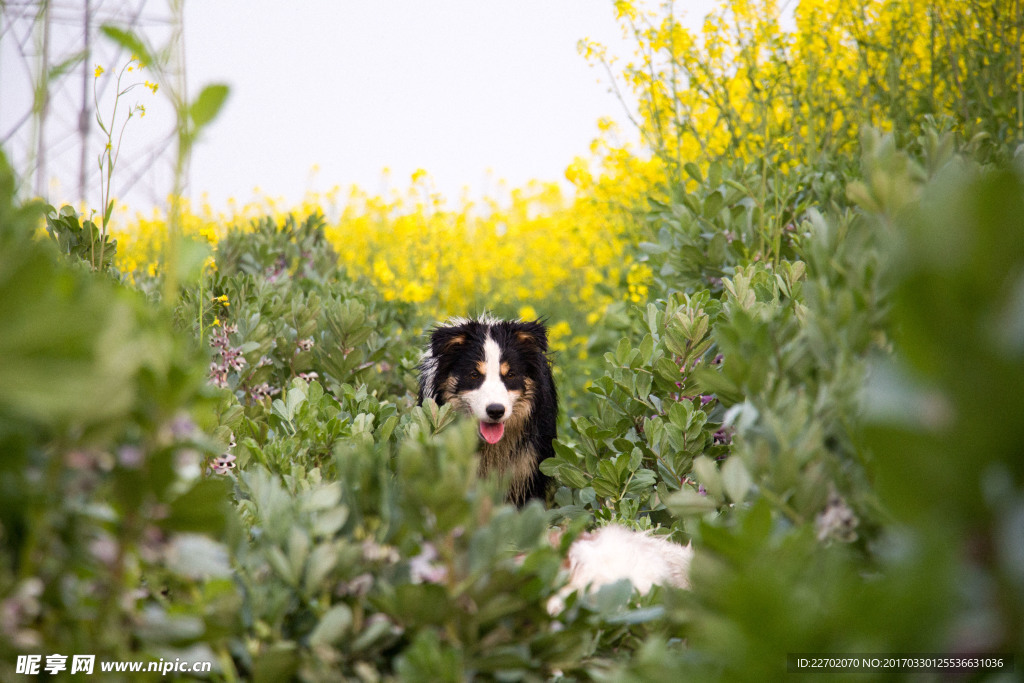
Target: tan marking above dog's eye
{"points": [[455, 341]]}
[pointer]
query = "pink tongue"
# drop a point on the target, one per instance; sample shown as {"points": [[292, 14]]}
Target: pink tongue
{"points": [[492, 431]]}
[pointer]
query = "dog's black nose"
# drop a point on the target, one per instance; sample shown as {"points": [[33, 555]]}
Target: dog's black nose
{"points": [[495, 411]]}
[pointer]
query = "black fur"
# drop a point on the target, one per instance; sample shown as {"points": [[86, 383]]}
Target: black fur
{"points": [[456, 349]]}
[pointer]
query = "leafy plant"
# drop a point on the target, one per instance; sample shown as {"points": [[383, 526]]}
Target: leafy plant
{"points": [[192, 117], [112, 137], [810, 370], [108, 528], [80, 239]]}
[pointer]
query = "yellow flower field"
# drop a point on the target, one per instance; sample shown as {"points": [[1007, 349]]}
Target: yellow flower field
{"points": [[539, 247], [740, 90]]}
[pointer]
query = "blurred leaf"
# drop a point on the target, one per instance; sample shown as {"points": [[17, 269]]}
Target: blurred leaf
{"points": [[736, 479], [278, 663], [202, 509], [207, 105], [198, 557], [687, 502], [333, 626], [131, 42]]}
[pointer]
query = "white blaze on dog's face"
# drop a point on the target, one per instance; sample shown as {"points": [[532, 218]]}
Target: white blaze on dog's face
{"points": [[483, 368], [490, 403]]}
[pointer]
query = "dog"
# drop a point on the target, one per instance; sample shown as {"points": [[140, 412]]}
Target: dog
{"points": [[498, 372]]}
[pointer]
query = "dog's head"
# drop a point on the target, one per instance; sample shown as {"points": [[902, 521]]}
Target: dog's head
{"points": [[486, 368]]}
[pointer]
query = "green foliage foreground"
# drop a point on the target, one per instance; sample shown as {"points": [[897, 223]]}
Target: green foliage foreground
{"points": [[240, 476]]}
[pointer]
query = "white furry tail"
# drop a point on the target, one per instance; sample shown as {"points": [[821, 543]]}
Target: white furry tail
{"points": [[613, 553]]}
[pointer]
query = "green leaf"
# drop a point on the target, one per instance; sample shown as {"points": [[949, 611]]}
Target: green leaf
{"points": [[278, 663], [206, 107], [666, 370], [642, 615], [707, 473], [736, 479], [713, 204], [329, 522], [131, 42], [192, 254], [324, 497], [203, 508], [386, 429], [644, 382], [612, 598], [647, 349], [63, 67], [322, 562], [643, 480], [197, 557], [687, 502], [570, 475], [333, 626], [622, 351]]}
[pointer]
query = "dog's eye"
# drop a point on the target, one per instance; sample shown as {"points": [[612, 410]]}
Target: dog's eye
{"points": [[509, 374], [474, 374]]}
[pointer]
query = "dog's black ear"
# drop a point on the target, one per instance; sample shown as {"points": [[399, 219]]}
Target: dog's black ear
{"points": [[533, 335], [445, 339]]}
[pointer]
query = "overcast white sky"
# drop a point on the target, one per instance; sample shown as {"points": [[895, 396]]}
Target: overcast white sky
{"points": [[470, 90]]}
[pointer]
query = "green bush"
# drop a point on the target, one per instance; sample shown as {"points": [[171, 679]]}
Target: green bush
{"points": [[822, 393], [109, 531], [244, 479]]}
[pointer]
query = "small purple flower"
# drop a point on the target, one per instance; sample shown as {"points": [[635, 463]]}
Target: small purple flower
{"points": [[219, 339], [308, 376], [305, 344], [837, 521], [423, 569], [130, 456], [223, 464], [258, 393], [218, 375], [275, 272], [230, 357], [359, 586], [182, 426]]}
